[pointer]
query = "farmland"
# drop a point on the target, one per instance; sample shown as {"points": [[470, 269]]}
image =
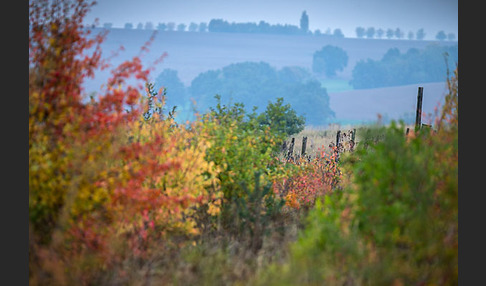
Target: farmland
{"points": [[122, 194], [192, 53]]}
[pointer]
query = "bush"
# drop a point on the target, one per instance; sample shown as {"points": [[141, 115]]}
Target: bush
{"points": [[394, 222], [281, 118], [244, 151]]}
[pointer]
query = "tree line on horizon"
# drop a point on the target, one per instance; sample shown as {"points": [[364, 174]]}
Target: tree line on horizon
{"points": [[262, 27], [379, 33]]}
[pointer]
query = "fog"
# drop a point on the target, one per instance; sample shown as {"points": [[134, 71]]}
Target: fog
{"points": [[408, 15], [379, 73]]}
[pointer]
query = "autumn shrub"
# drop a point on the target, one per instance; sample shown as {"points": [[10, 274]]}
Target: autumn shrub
{"points": [[394, 222], [244, 151], [313, 178], [112, 185]]}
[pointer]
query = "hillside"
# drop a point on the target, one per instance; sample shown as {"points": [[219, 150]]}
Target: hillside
{"points": [[191, 53]]}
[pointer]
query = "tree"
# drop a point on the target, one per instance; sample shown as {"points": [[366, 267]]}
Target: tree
{"points": [[420, 34], [175, 91], [451, 37], [304, 22], [390, 33], [410, 35], [360, 32], [328, 60], [149, 26], [399, 33], [139, 26], [161, 26], [281, 118], [192, 27], [441, 35], [128, 26], [256, 83], [181, 27], [379, 33], [338, 33], [203, 27], [396, 68], [370, 32]]}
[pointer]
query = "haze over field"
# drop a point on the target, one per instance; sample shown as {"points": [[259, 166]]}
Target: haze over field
{"points": [[408, 15], [193, 55]]}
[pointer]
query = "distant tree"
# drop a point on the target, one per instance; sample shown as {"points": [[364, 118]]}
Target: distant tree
{"points": [[328, 60], [175, 92], [107, 25], [181, 27], [264, 27], [128, 26], [203, 27], [317, 32], [441, 35], [304, 22], [257, 83], [413, 67], [139, 26], [451, 37], [420, 34], [360, 32], [161, 26], [149, 26], [379, 33], [390, 33], [192, 27], [170, 26], [218, 25], [294, 74], [391, 55], [338, 33], [370, 32], [410, 35], [399, 33]]}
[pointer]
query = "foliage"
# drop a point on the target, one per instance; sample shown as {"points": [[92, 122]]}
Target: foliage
{"points": [[108, 180], [360, 32], [414, 66], [244, 151], [220, 25], [281, 118], [328, 60], [394, 222], [257, 83], [315, 178], [304, 22], [175, 93]]}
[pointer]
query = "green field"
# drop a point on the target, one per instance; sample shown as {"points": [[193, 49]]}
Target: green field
{"points": [[336, 85]]}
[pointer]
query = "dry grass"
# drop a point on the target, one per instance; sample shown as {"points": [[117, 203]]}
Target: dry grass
{"points": [[319, 138], [324, 138]]}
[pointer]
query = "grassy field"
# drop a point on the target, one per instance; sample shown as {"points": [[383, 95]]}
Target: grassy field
{"points": [[336, 85], [193, 53]]}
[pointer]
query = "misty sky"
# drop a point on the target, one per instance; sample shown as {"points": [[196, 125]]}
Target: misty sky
{"points": [[408, 15]]}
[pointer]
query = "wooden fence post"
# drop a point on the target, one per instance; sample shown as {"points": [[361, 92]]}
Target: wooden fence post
{"points": [[338, 137], [304, 145], [418, 115], [291, 148]]}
